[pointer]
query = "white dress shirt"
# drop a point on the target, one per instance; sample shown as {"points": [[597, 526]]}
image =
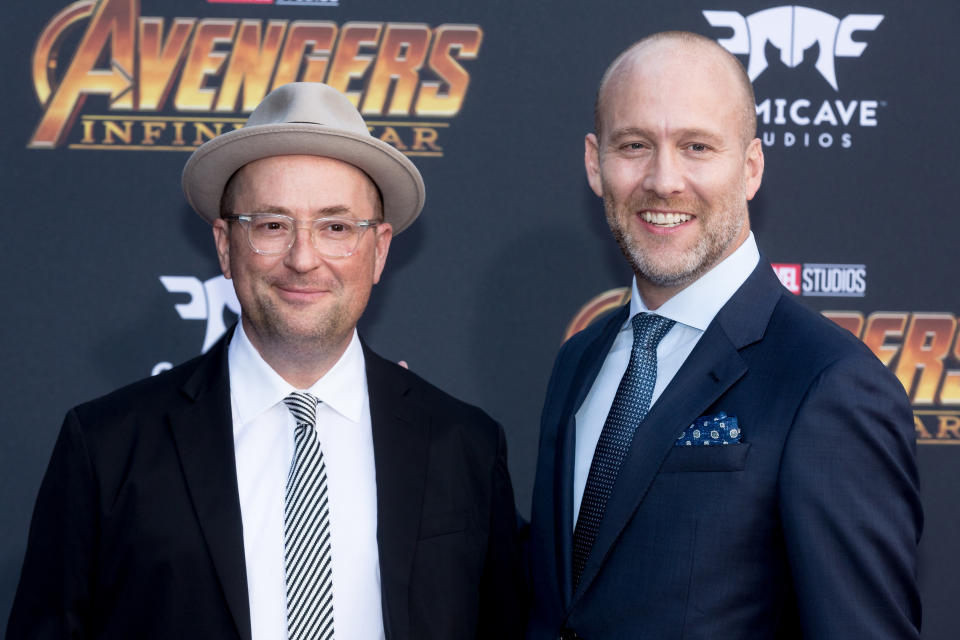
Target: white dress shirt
{"points": [[263, 436], [693, 309]]}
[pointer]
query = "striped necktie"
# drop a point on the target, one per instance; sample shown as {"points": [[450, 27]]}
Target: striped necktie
{"points": [[306, 530], [629, 408]]}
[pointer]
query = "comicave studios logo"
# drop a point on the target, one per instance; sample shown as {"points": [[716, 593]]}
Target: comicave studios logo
{"points": [[825, 280], [207, 301], [827, 120]]}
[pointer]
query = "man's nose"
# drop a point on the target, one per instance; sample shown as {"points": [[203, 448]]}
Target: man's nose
{"points": [[664, 174], [302, 256]]}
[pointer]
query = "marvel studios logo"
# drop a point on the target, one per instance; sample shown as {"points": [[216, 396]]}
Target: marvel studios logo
{"points": [[830, 280], [289, 3]]}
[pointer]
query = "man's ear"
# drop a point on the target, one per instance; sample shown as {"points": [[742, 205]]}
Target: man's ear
{"points": [[384, 233], [753, 167], [221, 237], [591, 161]]}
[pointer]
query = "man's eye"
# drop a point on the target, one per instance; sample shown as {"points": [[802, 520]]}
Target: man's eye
{"points": [[697, 146], [270, 226], [634, 146], [335, 228]]}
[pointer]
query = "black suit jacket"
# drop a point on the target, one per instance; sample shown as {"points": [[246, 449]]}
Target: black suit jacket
{"points": [[807, 528], [137, 530]]}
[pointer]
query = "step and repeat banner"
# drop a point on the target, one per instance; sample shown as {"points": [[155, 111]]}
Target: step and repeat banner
{"points": [[110, 277]]}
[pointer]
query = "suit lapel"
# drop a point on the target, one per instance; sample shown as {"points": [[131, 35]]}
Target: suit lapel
{"points": [[401, 437], [593, 355], [713, 366], [203, 433]]}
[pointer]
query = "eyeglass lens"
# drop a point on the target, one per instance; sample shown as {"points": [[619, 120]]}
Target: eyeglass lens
{"points": [[276, 234]]}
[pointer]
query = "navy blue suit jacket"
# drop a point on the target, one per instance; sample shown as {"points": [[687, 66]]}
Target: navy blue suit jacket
{"points": [[807, 528]]}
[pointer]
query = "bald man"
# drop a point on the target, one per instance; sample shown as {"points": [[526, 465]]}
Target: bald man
{"points": [[716, 460]]}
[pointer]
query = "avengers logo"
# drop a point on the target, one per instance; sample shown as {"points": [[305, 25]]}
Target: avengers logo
{"points": [[148, 72]]}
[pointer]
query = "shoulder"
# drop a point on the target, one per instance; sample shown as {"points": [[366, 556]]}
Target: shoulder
{"points": [[386, 378], [587, 339], [158, 389], [763, 316], [819, 363], [814, 340], [140, 402]]}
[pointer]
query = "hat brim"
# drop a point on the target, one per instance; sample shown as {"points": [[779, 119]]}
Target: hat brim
{"points": [[211, 165]]}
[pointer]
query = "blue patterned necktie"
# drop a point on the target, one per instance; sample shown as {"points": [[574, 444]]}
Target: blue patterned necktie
{"points": [[629, 408], [306, 530]]}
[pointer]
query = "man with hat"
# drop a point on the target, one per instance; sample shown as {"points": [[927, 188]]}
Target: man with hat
{"points": [[290, 482]]}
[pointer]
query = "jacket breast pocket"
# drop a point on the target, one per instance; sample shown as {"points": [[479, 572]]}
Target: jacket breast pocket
{"points": [[441, 524], [725, 457]]}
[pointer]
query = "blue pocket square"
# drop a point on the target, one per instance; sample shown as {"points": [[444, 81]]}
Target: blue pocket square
{"points": [[718, 429]]}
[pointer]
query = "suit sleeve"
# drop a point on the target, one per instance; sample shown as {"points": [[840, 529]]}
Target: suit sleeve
{"points": [[502, 604], [850, 505], [54, 594]]}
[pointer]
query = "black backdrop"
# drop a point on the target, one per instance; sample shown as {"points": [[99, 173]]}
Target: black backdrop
{"points": [[105, 264]]}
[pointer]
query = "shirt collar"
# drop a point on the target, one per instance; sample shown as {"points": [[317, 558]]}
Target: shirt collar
{"points": [[344, 387], [697, 304], [255, 387]]}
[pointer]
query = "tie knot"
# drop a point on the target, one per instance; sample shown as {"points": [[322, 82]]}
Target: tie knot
{"points": [[303, 406], [649, 329]]}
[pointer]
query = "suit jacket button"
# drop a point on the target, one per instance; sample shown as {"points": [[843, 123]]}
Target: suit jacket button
{"points": [[568, 634]]}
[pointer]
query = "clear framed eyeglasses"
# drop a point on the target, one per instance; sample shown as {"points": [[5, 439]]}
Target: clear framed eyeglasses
{"points": [[272, 234]]}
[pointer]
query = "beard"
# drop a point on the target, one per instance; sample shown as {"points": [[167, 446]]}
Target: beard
{"points": [[305, 329], [657, 259]]}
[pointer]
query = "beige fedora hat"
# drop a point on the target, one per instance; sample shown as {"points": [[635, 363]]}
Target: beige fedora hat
{"points": [[305, 118]]}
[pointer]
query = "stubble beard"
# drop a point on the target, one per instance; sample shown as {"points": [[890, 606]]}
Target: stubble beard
{"points": [[298, 335], [720, 229]]}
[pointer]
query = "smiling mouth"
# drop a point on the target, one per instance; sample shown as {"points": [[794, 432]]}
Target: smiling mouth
{"points": [[301, 290], [298, 294], [661, 219]]}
